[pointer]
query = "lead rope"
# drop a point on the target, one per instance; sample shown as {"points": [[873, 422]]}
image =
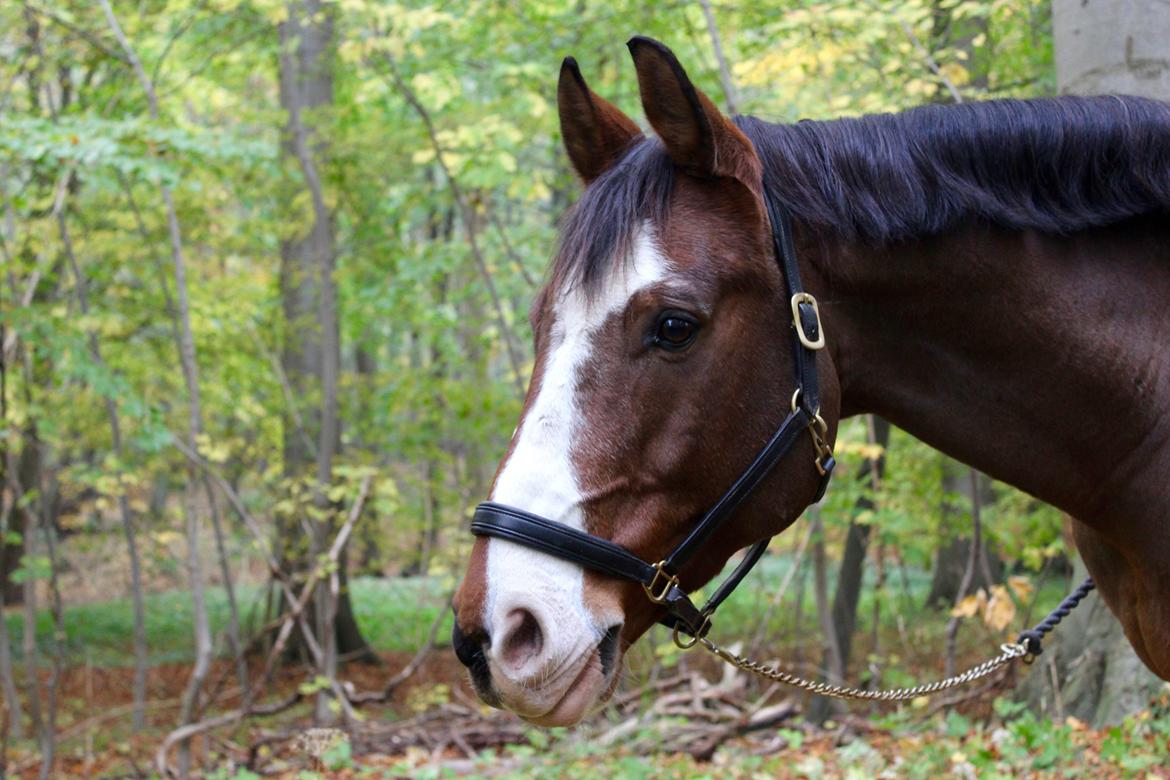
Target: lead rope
{"points": [[1026, 646]]}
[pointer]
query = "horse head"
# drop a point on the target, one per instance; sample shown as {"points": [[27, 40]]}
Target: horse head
{"points": [[663, 364]]}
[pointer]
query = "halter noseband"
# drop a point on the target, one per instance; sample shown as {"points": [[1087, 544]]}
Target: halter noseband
{"points": [[661, 580]]}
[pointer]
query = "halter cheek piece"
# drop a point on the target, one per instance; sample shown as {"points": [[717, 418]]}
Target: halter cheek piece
{"points": [[661, 580]]}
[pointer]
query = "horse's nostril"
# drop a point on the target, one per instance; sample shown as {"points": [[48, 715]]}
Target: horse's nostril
{"points": [[523, 638], [608, 648], [468, 647]]}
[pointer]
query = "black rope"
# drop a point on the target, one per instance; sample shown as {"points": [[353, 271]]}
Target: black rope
{"points": [[1033, 637]]}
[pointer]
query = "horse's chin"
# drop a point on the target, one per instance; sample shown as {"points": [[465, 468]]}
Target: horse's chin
{"points": [[580, 699], [585, 695]]}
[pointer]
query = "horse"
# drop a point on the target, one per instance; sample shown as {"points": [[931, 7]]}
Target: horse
{"points": [[992, 277]]}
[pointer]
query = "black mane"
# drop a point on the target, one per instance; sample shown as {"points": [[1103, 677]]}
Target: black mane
{"points": [[1056, 165]]}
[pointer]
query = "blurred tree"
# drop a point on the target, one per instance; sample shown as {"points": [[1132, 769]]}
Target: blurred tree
{"points": [[312, 337], [852, 568]]}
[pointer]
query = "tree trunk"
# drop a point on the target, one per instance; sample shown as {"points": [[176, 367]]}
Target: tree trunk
{"points": [[833, 667], [1089, 670], [9, 513], [10, 550], [852, 570], [1112, 47], [367, 540], [312, 347], [954, 550]]}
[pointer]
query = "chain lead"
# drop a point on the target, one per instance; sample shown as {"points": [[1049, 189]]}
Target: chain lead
{"points": [[1009, 652]]}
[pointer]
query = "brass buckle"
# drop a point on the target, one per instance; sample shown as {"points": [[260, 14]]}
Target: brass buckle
{"points": [[818, 429], [819, 341], [668, 581], [683, 644]]}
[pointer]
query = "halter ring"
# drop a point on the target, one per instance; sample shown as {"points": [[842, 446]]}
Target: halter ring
{"points": [[684, 644]]}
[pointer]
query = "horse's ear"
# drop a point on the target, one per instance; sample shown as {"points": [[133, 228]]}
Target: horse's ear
{"points": [[698, 137], [596, 132]]}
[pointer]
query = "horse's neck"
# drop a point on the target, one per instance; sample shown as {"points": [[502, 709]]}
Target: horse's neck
{"points": [[1039, 360]]}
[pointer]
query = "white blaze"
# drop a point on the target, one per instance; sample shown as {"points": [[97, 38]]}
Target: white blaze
{"points": [[539, 476]]}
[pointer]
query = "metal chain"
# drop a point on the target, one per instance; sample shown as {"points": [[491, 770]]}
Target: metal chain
{"points": [[1010, 652]]}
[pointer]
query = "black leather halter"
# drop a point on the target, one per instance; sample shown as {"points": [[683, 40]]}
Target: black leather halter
{"points": [[661, 580]]}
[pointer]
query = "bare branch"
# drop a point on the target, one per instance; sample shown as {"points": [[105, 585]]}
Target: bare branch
{"points": [[406, 672], [85, 34], [508, 248], [924, 52], [293, 616], [186, 349], [44, 262]]}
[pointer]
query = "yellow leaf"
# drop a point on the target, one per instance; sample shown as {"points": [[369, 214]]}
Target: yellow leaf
{"points": [[1021, 586], [1000, 609], [167, 538], [955, 73], [969, 606]]}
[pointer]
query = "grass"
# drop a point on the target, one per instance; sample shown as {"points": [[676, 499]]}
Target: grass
{"points": [[396, 614]]}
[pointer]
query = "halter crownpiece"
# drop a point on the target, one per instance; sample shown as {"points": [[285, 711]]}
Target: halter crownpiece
{"points": [[661, 580]]}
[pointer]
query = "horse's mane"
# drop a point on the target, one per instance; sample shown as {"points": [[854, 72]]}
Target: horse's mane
{"points": [[1055, 165]]}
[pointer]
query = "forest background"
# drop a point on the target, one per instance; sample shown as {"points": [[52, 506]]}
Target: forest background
{"points": [[266, 270]]}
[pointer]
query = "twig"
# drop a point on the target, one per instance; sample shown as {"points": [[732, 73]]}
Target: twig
{"points": [[508, 248], [88, 36], [113, 713], [1058, 699], [717, 45], [290, 400], [779, 594], [186, 349], [184, 733], [405, 673]]}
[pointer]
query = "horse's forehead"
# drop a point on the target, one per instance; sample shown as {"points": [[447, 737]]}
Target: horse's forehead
{"points": [[579, 311]]}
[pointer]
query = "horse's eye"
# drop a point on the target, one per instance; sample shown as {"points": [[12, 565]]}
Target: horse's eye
{"points": [[675, 331]]}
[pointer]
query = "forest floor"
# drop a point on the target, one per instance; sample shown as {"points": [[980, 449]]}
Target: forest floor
{"points": [[678, 715]]}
